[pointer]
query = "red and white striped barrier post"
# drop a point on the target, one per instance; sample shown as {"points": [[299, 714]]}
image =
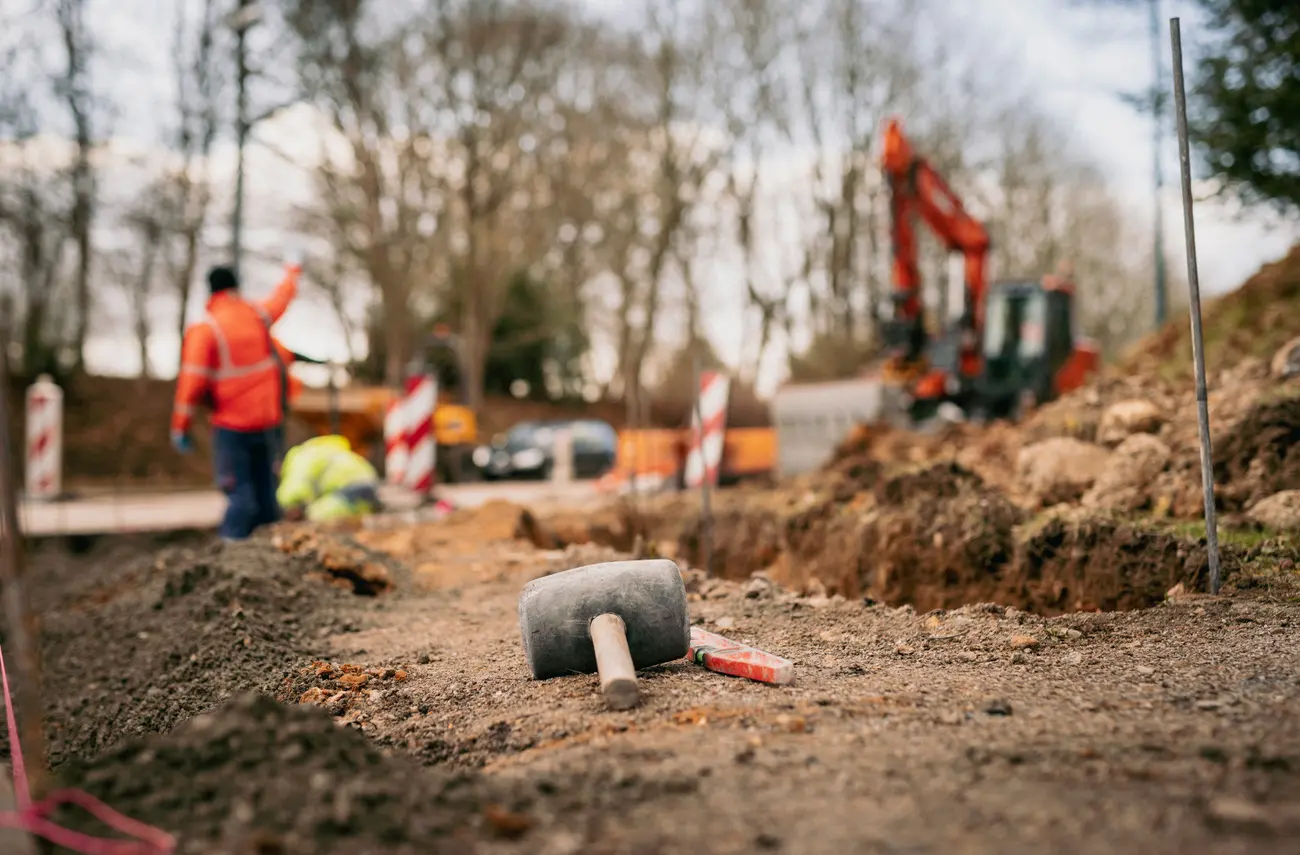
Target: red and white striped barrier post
{"points": [[44, 465], [422, 447], [705, 455], [395, 451]]}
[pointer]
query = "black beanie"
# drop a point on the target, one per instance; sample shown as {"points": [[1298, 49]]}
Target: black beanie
{"points": [[222, 279]]}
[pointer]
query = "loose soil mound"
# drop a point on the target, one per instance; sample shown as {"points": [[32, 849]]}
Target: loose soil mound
{"points": [[158, 641], [1262, 456], [256, 776], [1252, 321], [1091, 564]]}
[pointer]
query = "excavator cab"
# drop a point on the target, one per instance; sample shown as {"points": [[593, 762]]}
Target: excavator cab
{"points": [[1029, 347]]}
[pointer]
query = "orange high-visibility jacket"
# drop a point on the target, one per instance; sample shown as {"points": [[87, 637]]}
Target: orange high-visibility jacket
{"points": [[227, 362]]}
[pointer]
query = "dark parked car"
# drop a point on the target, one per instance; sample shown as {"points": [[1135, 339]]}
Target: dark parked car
{"points": [[527, 450]]}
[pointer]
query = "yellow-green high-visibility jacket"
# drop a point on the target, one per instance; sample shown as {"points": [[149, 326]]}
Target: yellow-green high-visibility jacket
{"points": [[324, 475]]}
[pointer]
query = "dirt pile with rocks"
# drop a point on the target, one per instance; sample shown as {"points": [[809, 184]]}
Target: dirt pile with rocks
{"points": [[1259, 319], [158, 640], [1128, 442]]}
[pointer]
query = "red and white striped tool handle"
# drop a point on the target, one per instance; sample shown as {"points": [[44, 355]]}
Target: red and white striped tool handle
{"points": [[738, 660]]}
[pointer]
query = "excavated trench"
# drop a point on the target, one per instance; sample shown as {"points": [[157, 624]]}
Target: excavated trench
{"points": [[937, 537]]}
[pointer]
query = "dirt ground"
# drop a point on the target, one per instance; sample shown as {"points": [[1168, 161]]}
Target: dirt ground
{"points": [[233, 696], [1000, 640]]}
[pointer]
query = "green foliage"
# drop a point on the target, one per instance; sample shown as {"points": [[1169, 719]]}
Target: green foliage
{"points": [[540, 339], [1248, 94]]}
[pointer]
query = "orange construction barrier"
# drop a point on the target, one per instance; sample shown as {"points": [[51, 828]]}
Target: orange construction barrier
{"points": [[653, 456]]}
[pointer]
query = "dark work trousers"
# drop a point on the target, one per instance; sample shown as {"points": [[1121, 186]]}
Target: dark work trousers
{"points": [[248, 470]]}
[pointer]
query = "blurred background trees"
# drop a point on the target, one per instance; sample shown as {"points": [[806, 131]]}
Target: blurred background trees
{"points": [[580, 198]]}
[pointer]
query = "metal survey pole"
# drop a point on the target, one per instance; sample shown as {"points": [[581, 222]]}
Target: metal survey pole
{"points": [[22, 632], [706, 511], [1194, 289]]}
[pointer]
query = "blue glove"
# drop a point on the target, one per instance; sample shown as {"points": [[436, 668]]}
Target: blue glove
{"points": [[181, 442]]}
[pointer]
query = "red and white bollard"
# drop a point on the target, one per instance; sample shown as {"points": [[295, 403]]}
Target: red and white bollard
{"points": [[705, 455], [419, 407], [396, 453], [44, 465]]}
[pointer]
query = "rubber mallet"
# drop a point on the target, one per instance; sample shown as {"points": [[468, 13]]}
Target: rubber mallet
{"points": [[611, 618]]}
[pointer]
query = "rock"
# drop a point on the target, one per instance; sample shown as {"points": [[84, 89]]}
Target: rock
{"points": [[505, 823], [1126, 418], [1286, 362], [1023, 642], [1146, 670], [1129, 477], [1280, 511], [998, 707], [1060, 469], [1074, 657], [314, 695], [1227, 812], [725, 622], [1019, 658], [758, 587]]}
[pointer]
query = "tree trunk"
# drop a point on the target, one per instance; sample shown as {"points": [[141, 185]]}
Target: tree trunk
{"points": [[141, 300], [82, 215], [185, 281]]}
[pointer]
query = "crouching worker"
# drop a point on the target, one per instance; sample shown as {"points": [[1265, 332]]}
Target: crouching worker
{"points": [[324, 480]]}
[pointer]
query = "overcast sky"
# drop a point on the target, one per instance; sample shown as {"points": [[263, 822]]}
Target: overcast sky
{"points": [[1079, 59]]}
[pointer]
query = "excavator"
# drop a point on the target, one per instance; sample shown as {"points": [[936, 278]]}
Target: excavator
{"points": [[1014, 345]]}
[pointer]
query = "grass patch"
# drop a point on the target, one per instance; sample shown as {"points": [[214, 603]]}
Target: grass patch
{"points": [[1242, 537]]}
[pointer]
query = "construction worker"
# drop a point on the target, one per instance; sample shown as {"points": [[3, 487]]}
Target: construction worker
{"points": [[323, 480], [231, 363]]}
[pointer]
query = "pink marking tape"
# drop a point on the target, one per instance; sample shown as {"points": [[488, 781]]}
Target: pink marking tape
{"points": [[32, 818]]}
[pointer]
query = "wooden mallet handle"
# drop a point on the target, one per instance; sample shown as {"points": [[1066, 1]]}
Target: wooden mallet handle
{"points": [[614, 661]]}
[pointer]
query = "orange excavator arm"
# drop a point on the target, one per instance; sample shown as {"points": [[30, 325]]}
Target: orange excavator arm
{"points": [[916, 188]]}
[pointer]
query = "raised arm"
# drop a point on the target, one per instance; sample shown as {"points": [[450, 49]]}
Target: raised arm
{"points": [[283, 294]]}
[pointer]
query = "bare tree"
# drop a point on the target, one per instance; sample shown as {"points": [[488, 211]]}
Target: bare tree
{"points": [[32, 212], [379, 199], [198, 89], [500, 59], [859, 64], [672, 164], [74, 87], [751, 44]]}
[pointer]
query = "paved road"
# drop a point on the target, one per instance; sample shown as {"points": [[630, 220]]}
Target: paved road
{"points": [[203, 509]]}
